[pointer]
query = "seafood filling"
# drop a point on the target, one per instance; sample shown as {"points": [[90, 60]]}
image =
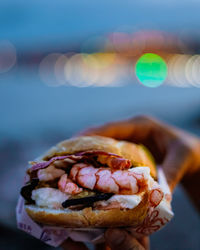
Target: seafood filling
{"points": [[90, 179]]}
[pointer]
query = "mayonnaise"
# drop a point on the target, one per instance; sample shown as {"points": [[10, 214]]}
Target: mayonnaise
{"points": [[125, 201], [49, 197]]}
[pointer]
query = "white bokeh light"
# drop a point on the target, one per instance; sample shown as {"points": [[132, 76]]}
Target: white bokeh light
{"points": [[60, 69], [7, 56], [47, 70]]}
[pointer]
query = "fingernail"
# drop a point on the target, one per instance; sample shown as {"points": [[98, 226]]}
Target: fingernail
{"points": [[114, 236]]}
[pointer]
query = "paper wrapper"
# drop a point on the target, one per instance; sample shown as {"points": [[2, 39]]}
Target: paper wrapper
{"points": [[156, 218]]}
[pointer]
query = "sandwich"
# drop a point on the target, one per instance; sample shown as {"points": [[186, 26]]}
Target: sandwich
{"points": [[92, 182]]}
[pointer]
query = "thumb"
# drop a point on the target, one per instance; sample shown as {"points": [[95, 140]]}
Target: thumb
{"points": [[118, 239]]}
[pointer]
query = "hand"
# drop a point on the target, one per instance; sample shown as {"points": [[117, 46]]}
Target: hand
{"points": [[118, 239], [115, 239], [177, 152]]}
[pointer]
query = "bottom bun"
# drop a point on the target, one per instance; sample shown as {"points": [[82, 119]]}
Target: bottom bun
{"points": [[89, 217]]}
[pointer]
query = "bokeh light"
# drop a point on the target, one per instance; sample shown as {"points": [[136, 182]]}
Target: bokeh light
{"points": [[195, 71], [151, 70], [99, 60], [7, 56], [121, 41], [107, 60], [183, 70], [180, 70], [76, 71], [59, 69], [138, 43], [47, 70]]}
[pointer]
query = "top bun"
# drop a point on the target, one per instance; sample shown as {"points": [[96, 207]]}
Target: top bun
{"points": [[137, 154]]}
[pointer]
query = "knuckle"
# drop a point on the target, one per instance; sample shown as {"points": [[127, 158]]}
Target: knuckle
{"points": [[186, 148], [183, 146], [144, 119]]}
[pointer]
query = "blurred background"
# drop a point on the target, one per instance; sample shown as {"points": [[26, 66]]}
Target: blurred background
{"points": [[69, 65]]}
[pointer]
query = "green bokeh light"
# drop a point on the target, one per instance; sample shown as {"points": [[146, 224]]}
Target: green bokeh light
{"points": [[151, 70]]}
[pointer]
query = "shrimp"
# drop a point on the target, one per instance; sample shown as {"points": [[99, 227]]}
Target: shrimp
{"points": [[87, 177], [106, 179], [75, 169], [49, 173], [127, 182], [114, 162], [105, 182], [67, 186]]}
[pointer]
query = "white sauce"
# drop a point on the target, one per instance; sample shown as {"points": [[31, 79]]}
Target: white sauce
{"points": [[49, 197], [126, 201]]}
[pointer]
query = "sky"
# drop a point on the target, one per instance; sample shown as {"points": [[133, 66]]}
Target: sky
{"points": [[32, 24]]}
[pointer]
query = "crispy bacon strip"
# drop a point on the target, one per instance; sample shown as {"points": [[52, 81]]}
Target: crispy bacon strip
{"points": [[114, 161], [45, 164]]}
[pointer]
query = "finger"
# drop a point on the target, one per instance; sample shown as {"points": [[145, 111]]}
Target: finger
{"points": [[119, 239], [72, 245], [117, 130], [141, 129], [176, 163], [191, 185], [145, 242], [135, 129]]}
